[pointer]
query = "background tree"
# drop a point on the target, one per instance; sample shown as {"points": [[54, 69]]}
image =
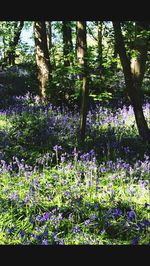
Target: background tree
{"points": [[10, 31], [100, 49], [67, 42], [17, 28], [82, 60], [42, 56], [134, 74]]}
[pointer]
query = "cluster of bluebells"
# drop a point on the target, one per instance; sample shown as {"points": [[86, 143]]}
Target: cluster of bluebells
{"points": [[72, 197]]}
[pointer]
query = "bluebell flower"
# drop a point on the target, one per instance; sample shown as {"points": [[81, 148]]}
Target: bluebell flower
{"points": [[145, 223], [87, 222], [46, 232], [27, 198], [57, 148], [9, 230], [97, 188], [92, 152], [67, 193], [61, 242], [22, 233], [116, 213], [96, 206], [62, 158], [131, 215], [94, 216], [54, 210], [135, 241], [46, 216], [70, 216], [44, 242], [146, 205], [76, 229], [14, 196]]}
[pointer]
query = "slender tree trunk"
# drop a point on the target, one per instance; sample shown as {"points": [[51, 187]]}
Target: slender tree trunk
{"points": [[133, 74], [99, 50], [49, 36], [4, 60], [11, 53], [42, 56], [67, 42], [82, 61], [49, 43]]}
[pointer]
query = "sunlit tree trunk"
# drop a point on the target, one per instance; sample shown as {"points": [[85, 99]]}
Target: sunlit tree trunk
{"points": [[42, 56], [49, 36], [82, 61], [133, 73], [67, 42]]}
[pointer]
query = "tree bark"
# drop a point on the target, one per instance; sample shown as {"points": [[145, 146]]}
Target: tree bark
{"points": [[82, 61], [11, 52], [42, 57], [99, 50], [49, 36], [67, 42], [133, 74]]}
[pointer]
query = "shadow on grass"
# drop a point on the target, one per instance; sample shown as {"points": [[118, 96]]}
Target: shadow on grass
{"points": [[112, 223]]}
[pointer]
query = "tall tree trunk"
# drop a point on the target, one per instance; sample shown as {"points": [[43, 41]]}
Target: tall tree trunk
{"points": [[49, 43], [49, 36], [82, 60], [67, 42], [11, 53], [99, 50], [133, 74], [42, 57]]}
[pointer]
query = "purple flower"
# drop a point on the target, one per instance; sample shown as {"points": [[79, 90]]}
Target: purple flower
{"points": [[9, 231], [146, 205], [60, 217], [76, 229], [97, 188], [57, 148], [70, 216], [45, 232], [61, 242], [87, 222], [45, 216], [145, 223], [45, 242], [54, 235], [87, 204], [116, 213], [27, 198], [96, 206], [14, 196], [67, 194], [135, 241], [22, 233], [54, 210], [131, 215], [94, 216], [63, 158], [92, 152]]}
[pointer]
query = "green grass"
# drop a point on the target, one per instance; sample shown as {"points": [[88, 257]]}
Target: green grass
{"points": [[60, 191], [53, 191]]}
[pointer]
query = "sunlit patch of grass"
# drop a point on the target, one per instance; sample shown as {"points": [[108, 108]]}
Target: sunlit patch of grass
{"points": [[76, 202], [4, 122]]}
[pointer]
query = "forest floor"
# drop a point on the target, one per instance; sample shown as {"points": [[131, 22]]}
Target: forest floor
{"points": [[55, 190]]}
